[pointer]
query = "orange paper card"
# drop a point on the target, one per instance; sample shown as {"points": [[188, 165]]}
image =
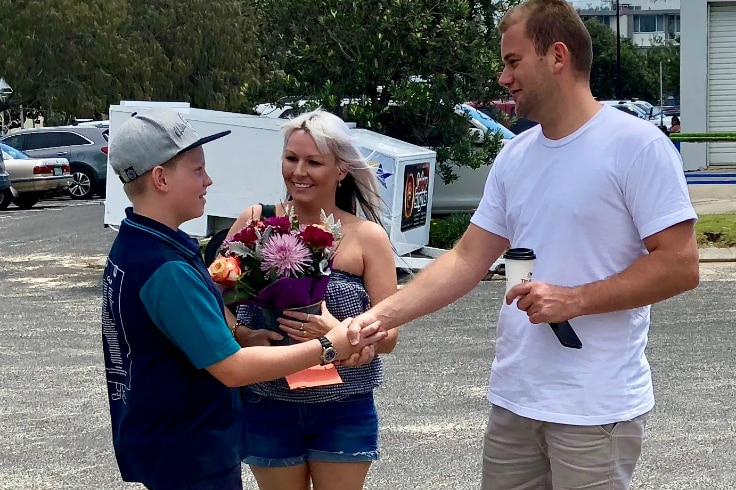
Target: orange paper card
{"points": [[314, 376]]}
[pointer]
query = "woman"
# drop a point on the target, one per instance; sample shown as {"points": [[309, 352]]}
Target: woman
{"points": [[326, 434], [675, 128]]}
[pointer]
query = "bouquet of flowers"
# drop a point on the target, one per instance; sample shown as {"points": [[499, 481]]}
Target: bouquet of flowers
{"points": [[277, 263]]}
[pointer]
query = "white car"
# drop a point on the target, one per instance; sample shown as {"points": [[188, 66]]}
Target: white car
{"points": [[32, 178], [464, 194], [660, 119], [632, 108]]}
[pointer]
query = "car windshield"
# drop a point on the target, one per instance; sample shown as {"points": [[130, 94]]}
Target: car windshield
{"points": [[640, 110], [10, 153]]}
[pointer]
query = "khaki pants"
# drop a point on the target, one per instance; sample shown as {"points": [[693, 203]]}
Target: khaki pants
{"points": [[524, 454]]}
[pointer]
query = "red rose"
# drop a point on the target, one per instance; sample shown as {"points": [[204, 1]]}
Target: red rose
{"points": [[247, 236], [280, 224], [316, 237]]}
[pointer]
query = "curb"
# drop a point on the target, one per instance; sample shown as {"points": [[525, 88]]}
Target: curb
{"points": [[716, 254]]}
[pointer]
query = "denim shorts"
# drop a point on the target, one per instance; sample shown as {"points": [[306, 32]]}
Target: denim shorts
{"points": [[279, 434]]}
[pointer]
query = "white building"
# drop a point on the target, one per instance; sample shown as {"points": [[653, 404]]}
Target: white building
{"points": [[645, 22], [708, 80]]}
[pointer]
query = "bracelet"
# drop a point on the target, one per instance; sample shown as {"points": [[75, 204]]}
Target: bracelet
{"points": [[234, 329]]}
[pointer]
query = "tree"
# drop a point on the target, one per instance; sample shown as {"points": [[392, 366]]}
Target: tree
{"points": [[57, 52], [197, 51], [76, 57], [637, 79], [398, 67], [668, 54]]}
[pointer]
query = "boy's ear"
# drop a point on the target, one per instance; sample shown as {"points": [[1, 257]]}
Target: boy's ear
{"points": [[158, 177]]}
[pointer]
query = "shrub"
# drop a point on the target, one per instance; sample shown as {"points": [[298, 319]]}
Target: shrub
{"points": [[444, 232]]}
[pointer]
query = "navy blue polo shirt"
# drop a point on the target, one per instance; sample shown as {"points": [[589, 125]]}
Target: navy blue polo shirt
{"points": [[162, 324]]}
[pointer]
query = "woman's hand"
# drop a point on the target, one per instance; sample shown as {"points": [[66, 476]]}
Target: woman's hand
{"points": [[247, 337], [306, 326]]}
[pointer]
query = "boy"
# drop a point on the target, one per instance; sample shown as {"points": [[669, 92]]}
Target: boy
{"points": [[171, 362]]}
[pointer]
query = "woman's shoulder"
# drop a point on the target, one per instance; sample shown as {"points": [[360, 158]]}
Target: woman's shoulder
{"points": [[366, 231], [251, 212]]}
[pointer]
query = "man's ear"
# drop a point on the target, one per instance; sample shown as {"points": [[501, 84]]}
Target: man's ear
{"points": [[561, 55]]}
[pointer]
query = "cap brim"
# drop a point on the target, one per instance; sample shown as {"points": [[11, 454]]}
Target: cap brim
{"points": [[204, 140]]}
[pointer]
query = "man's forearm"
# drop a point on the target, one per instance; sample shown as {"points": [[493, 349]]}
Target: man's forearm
{"points": [[652, 278], [449, 277]]}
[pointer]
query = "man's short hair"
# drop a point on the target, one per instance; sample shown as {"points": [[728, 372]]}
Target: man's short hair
{"points": [[551, 21]]}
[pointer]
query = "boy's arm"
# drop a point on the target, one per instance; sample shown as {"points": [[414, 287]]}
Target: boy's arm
{"points": [[190, 317]]}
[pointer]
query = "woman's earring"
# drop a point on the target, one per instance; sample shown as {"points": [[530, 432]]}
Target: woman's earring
{"points": [[339, 183]]}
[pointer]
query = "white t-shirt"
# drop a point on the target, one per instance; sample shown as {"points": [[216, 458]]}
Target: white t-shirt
{"points": [[583, 203]]}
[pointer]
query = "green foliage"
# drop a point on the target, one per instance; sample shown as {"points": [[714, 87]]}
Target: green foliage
{"points": [[639, 67], [636, 81], [669, 54], [76, 57], [445, 232], [397, 67], [715, 229]]}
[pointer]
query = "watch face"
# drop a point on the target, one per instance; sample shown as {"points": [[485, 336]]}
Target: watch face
{"points": [[328, 355]]}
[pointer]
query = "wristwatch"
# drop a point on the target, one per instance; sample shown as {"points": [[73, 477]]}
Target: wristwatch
{"points": [[328, 351]]}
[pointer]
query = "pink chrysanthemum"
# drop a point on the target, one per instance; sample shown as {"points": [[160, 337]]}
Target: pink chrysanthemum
{"points": [[287, 254]]}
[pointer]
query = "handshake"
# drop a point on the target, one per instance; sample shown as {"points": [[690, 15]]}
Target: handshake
{"points": [[356, 339]]}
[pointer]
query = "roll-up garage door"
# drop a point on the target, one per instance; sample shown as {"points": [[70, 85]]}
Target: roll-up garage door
{"points": [[722, 80]]}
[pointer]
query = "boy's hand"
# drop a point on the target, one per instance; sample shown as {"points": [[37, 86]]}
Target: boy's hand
{"points": [[366, 355]]}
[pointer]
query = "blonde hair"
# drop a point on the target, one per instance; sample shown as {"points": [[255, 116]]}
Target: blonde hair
{"points": [[551, 21], [359, 188]]}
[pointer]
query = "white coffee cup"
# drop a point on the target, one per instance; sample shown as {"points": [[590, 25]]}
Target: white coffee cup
{"points": [[519, 265]]}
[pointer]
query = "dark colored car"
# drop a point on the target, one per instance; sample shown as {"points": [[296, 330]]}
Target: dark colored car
{"points": [[84, 146]]}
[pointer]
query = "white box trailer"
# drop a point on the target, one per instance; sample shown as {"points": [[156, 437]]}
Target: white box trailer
{"points": [[245, 169]]}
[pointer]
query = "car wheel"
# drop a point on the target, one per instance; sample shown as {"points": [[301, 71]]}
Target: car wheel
{"points": [[83, 184], [5, 198], [25, 201]]}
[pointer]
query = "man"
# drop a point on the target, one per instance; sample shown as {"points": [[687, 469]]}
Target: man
{"points": [[171, 362], [601, 198]]}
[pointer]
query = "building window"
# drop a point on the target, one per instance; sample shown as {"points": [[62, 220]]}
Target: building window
{"points": [[649, 23]]}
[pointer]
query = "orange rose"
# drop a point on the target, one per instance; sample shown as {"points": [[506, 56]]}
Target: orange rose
{"points": [[225, 271]]}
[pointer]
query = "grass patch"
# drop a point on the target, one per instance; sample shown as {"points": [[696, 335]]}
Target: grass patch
{"points": [[716, 230], [444, 232]]}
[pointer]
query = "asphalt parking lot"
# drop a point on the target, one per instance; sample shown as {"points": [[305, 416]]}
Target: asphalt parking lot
{"points": [[54, 426]]}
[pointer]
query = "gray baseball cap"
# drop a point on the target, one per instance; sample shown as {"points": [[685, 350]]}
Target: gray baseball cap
{"points": [[152, 138]]}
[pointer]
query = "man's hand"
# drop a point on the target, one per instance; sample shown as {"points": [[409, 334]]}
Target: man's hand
{"points": [[545, 303], [366, 355], [358, 324], [369, 335]]}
